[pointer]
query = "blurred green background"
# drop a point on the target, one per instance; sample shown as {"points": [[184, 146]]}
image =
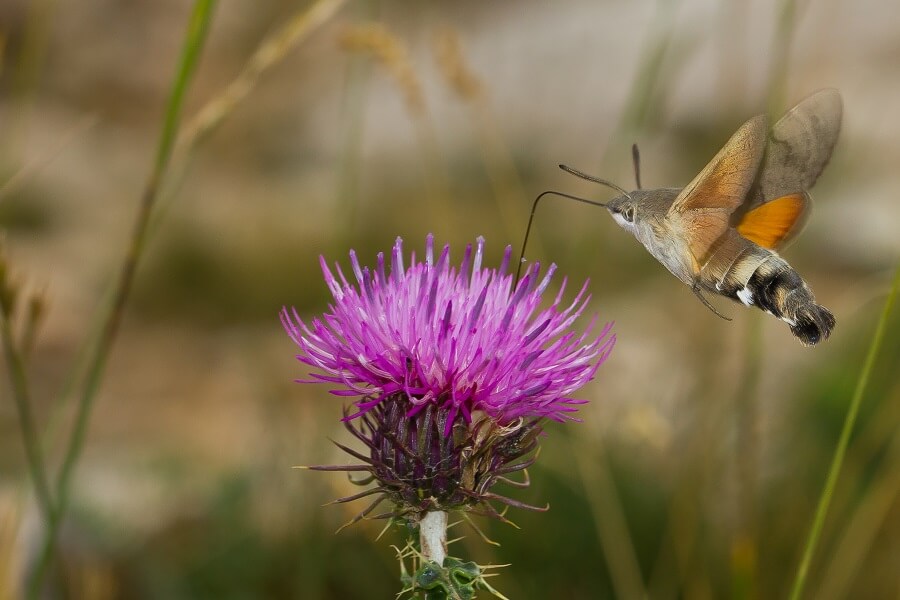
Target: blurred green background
{"points": [[704, 448]]}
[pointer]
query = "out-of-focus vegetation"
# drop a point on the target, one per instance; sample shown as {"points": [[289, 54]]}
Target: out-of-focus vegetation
{"points": [[704, 449]]}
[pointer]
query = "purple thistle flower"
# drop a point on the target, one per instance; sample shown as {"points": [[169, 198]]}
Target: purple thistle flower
{"points": [[456, 369], [460, 339]]}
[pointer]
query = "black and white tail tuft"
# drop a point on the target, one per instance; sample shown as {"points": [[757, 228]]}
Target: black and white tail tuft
{"points": [[778, 289], [812, 324]]}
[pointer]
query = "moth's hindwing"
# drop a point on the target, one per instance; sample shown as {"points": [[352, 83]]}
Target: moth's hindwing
{"points": [[772, 224], [798, 147]]}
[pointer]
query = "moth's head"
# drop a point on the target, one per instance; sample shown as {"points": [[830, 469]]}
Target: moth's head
{"points": [[623, 210]]}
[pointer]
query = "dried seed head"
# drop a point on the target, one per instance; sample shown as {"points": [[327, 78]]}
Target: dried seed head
{"points": [[454, 67], [392, 53]]}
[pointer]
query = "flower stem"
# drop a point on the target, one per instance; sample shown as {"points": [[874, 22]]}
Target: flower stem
{"points": [[835, 469], [433, 536]]}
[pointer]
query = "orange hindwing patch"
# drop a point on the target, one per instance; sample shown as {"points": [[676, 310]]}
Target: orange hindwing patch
{"points": [[774, 223]]}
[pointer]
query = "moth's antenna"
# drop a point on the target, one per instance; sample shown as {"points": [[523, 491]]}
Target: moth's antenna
{"points": [[636, 159], [531, 219], [583, 175]]}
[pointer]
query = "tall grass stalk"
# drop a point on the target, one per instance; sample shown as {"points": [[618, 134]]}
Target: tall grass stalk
{"points": [[644, 96], [21, 395], [353, 115], [609, 519], [744, 542], [869, 518], [499, 164], [272, 50], [784, 35], [700, 461], [26, 76], [394, 55], [836, 462], [649, 82], [195, 38]]}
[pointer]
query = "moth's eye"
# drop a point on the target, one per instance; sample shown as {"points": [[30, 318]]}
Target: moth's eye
{"points": [[628, 214]]}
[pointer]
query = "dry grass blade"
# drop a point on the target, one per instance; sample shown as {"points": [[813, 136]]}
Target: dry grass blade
{"points": [[392, 53], [506, 183], [32, 168], [612, 529], [453, 65], [272, 50]]}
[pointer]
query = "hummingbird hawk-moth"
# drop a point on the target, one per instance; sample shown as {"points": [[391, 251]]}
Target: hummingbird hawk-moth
{"points": [[721, 233]]}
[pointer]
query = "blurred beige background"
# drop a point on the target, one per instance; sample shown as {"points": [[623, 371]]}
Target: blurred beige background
{"points": [[330, 151]]}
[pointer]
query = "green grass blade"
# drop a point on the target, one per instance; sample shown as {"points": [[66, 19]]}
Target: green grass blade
{"points": [[778, 71], [22, 396], [194, 41], [609, 520], [836, 463], [745, 542], [195, 38]]}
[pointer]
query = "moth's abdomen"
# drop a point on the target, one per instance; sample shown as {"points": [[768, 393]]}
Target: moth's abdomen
{"points": [[756, 276], [778, 289]]}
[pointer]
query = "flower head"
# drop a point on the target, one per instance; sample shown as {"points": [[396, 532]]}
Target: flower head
{"points": [[455, 370], [459, 339]]}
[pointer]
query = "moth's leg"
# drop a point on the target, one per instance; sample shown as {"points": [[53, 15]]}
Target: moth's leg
{"points": [[696, 289]]}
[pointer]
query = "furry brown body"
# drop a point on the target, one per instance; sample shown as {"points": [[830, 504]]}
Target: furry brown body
{"points": [[720, 233], [736, 267]]}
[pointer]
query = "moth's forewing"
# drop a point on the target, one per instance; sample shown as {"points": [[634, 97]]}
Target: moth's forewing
{"points": [[798, 148], [702, 211]]}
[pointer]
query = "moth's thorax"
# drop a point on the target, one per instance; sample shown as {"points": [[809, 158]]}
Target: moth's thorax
{"points": [[666, 244]]}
